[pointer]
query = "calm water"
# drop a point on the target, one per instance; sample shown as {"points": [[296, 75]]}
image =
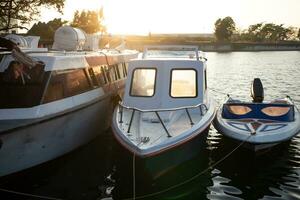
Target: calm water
{"points": [[270, 175]]}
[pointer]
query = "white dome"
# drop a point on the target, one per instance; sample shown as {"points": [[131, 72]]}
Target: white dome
{"points": [[69, 38]]}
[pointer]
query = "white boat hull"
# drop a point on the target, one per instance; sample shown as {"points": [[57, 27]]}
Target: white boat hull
{"points": [[40, 142]]}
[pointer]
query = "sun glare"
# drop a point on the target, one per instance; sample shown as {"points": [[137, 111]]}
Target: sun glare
{"points": [[178, 16]]}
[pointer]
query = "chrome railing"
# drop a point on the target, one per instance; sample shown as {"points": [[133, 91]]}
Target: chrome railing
{"points": [[202, 107]]}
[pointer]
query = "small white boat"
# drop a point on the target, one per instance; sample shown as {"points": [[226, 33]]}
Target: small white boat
{"points": [[50, 110], [167, 111], [260, 124]]}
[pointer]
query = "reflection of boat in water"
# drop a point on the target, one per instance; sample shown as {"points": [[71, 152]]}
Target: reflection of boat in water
{"points": [[158, 123], [49, 110], [261, 124], [264, 175]]}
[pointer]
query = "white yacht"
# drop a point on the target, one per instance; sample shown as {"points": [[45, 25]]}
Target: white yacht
{"points": [[51, 109]]}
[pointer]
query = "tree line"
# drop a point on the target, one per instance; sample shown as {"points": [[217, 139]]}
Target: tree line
{"points": [[16, 14], [89, 21], [226, 31]]}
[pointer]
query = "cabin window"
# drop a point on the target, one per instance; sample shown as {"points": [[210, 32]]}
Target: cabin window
{"points": [[113, 73], [239, 110], [77, 82], [99, 75], [125, 68], [66, 83], [143, 82], [275, 111], [104, 72], [121, 70], [55, 89], [183, 83], [93, 78], [117, 71]]}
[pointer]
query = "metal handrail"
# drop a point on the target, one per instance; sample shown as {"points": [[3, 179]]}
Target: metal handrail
{"points": [[172, 47], [162, 110], [121, 107]]}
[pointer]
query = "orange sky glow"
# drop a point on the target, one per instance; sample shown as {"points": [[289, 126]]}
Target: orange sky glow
{"points": [[178, 16]]}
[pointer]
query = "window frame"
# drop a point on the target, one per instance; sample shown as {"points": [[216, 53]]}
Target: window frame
{"points": [[155, 80], [170, 83]]}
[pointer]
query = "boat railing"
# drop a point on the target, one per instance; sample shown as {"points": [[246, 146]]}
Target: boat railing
{"points": [[202, 107], [193, 48]]}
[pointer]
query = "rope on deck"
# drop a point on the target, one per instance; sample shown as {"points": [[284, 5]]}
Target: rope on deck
{"points": [[188, 180], [29, 195]]}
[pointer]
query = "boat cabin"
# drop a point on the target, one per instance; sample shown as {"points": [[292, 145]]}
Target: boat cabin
{"points": [[66, 79], [166, 101], [166, 83]]}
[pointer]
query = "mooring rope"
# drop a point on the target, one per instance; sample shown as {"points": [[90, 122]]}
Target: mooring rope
{"points": [[29, 195], [188, 180], [220, 92], [133, 175]]}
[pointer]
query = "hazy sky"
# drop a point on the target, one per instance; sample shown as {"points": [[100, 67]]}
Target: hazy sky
{"points": [[182, 16]]}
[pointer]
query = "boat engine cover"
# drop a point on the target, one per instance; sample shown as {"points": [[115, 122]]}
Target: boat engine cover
{"points": [[257, 91]]}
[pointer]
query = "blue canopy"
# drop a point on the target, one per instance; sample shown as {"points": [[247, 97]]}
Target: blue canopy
{"points": [[258, 111]]}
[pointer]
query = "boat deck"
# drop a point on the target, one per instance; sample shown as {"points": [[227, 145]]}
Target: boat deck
{"points": [[146, 130]]}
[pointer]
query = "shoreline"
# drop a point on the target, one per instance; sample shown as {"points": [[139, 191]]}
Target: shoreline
{"points": [[224, 47], [138, 43]]}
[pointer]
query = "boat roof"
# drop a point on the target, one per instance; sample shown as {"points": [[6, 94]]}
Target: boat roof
{"points": [[178, 52], [62, 60]]}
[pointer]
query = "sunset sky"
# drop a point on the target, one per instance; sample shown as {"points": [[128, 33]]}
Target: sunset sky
{"points": [[182, 16]]}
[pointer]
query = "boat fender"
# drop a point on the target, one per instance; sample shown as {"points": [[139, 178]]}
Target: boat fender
{"points": [[257, 91]]}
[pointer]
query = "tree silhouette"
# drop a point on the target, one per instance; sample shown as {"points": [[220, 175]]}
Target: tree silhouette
{"points": [[46, 30], [224, 28], [23, 11], [89, 21], [268, 32]]}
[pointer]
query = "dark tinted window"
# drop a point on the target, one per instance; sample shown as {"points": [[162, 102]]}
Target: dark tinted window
{"points": [[121, 70], [99, 75], [92, 77], [18, 92], [76, 82], [113, 73], [55, 89], [67, 83]]}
